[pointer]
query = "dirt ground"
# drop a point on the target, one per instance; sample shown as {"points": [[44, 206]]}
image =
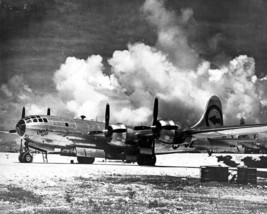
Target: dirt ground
{"points": [[173, 186]]}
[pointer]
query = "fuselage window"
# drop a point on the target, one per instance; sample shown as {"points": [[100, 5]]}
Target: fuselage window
{"points": [[40, 120], [38, 116], [32, 117], [35, 120], [66, 124], [45, 120], [55, 123], [72, 125]]}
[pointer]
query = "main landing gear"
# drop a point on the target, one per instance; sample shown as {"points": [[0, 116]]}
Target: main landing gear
{"points": [[85, 160], [146, 154]]}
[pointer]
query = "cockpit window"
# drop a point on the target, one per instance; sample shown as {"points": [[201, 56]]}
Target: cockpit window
{"points": [[27, 118], [40, 120], [45, 120], [32, 117], [35, 120], [28, 121], [38, 116]]}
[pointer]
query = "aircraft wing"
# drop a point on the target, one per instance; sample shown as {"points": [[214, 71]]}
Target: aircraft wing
{"points": [[9, 131], [232, 140], [227, 131]]}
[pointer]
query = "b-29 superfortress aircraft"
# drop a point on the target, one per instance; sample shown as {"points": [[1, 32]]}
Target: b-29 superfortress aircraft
{"points": [[88, 140]]}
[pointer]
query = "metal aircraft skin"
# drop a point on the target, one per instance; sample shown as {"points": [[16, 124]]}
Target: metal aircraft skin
{"points": [[88, 140]]}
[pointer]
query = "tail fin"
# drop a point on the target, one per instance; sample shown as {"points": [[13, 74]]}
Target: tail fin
{"points": [[213, 116]]}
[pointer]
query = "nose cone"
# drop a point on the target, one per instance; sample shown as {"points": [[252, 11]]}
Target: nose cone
{"points": [[21, 127]]}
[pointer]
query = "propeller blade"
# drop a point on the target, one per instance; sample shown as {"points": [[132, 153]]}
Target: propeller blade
{"points": [[107, 116], [155, 111], [23, 112], [48, 112], [21, 147]]}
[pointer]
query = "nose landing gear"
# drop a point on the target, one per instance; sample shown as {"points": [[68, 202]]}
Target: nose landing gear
{"points": [[25, 155]]}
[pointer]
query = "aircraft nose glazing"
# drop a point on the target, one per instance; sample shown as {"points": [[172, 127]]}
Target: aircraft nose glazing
{"points": [[21, 127]]}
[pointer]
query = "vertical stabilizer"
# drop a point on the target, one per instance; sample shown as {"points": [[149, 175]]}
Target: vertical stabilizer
{"points": [[213, 116]]}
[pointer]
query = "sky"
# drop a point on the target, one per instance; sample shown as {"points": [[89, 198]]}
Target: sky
{"points": [[76, 56]]}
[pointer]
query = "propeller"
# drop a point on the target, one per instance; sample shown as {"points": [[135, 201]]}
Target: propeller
{"points": [[155, 118], [107, 115], [155, 111], [23, 112], [48, 112]]}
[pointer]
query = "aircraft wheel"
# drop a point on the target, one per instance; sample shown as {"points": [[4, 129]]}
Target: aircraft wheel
{"points": [[27, 157], [85, 160], [20, 157], [153, 160], [147, 160], [175, 146], [140, 160]]}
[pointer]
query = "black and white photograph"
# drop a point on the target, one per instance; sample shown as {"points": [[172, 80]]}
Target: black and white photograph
{"points": [[133, 106]]}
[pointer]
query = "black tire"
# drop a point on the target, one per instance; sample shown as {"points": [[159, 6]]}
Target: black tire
{"points": [[153, 160], [175, 146], [146, 160], [140, 160], [20, 157], [27, 157], [85, 160]]}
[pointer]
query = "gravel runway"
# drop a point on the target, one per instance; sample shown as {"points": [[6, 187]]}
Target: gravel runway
{"points": [[172, 186]]}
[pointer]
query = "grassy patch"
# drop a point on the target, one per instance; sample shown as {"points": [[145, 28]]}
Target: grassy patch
{"points": [[18, 194], [135, 194]]}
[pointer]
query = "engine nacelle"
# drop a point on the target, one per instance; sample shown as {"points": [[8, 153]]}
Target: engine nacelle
{"points": [[166, 136], [181, 137], [116, 135], [165, 129], [166, 124]]}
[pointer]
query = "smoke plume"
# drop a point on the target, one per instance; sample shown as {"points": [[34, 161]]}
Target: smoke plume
{"points": [[170, 70]]}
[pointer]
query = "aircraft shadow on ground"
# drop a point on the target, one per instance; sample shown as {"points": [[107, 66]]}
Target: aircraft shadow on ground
{"points": [[260, 162], [109, 164]]}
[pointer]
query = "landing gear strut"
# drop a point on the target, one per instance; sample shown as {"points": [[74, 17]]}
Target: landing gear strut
{"points": [[210, 152], [146, 155]]}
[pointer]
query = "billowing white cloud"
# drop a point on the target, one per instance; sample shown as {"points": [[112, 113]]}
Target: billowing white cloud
{"points": [[172, 33], [170, 70]]}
